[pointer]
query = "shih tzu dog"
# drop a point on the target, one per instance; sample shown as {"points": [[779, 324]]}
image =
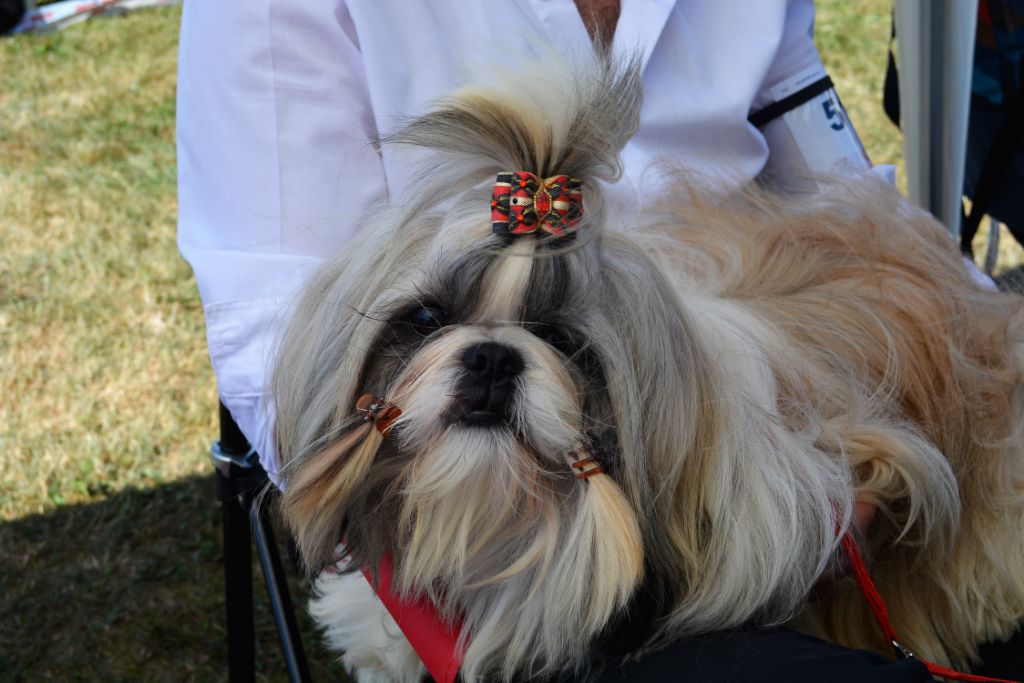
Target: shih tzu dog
{"points": [[542, 413]]}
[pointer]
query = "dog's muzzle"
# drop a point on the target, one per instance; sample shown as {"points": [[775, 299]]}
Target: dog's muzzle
{"points": [[485, 392]]}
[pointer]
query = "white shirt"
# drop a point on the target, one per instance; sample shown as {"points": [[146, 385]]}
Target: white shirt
{"points": [[277, 101]]}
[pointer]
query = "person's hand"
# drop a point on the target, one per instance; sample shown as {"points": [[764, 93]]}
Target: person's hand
{"points": [[863, 515], [864, 511]]}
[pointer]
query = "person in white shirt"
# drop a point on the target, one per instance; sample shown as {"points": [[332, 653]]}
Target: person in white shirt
{"points": [[279, 102]]}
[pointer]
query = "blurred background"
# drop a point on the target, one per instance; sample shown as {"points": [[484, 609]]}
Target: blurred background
{"points": [[109, 528]]}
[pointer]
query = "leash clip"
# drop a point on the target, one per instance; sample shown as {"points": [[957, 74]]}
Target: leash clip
{"points": [[902, 652]]}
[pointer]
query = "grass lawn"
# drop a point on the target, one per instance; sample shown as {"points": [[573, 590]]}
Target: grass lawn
{"points": [[109, 534]]}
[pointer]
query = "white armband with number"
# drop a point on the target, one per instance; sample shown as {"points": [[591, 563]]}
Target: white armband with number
{"points": [[807, 131]]}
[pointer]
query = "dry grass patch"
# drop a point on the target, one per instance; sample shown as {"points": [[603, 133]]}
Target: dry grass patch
{"points": [[110, 560], [105, 374]]}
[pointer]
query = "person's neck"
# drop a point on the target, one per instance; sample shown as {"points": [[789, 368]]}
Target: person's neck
{"points": [[600, 17]]}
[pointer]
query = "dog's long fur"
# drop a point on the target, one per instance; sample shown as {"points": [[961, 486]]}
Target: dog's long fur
{"points": [[747, 366]]}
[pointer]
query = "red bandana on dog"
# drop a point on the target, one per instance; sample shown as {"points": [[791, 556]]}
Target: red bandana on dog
{"points": [[522, 204]]}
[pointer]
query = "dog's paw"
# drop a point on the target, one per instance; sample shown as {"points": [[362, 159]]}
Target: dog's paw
{"points": [[356, 623]]}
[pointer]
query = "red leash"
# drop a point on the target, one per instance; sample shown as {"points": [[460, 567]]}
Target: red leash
{"points": [[436, 641], [877, 605]]}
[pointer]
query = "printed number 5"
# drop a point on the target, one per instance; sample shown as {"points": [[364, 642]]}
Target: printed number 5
{"points": [[830, 112]]}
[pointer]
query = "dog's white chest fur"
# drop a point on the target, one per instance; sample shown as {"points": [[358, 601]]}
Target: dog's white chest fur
{"points": [[356, 623]]}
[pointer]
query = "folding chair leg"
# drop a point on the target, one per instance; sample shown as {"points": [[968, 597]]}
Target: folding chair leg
{"points": [[280, 597], [240, 478], [241, 635]]}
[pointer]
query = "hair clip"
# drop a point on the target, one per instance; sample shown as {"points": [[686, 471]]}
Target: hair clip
{"points": [[523, 204], [378, 411], [587, 465]]}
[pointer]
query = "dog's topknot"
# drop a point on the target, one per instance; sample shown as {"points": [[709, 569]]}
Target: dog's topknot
{"points": [[553, 116]]}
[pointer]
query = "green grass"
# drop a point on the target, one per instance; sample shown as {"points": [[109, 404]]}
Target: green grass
{"points": [[853, 40], [102, 331], [109, 536]]}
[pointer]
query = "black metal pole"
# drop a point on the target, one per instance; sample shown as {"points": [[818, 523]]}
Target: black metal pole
{"points": [[241, 635], [233, 473], [240, 479], [280, 597]]}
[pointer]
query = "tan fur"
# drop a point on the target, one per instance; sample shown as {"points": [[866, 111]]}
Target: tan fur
{"points": [[316, 490], [878, 332]]}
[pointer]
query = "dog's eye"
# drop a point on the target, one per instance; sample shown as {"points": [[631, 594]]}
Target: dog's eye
{"points": [[556, 337], [426, 319]]}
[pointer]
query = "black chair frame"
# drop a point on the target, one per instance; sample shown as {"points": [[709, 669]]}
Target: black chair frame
{"points": [[240, 481]]}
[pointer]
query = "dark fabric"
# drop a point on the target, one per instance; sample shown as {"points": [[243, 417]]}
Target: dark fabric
{"points": [[11, 12], [764, 656], [1003, 660], [891, 87], [995, 150], [999, 50], [995, 138]]}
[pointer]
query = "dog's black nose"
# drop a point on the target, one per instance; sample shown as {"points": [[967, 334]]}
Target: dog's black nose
{"points": [[495, 362], [487, 387]]}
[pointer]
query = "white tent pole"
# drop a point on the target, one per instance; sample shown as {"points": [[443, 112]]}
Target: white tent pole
{"points": [[935, 42]]}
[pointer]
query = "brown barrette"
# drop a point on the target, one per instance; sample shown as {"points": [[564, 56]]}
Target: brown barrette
{"points": [[584, 462], [378, 411]]}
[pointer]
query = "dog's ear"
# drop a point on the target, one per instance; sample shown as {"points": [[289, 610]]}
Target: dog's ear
{"points": [[315, 500], [724, 490], [333, 331], [552, 116], [651, 358]]}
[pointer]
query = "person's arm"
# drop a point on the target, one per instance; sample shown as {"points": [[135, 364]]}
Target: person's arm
{"points": [[813, 137], [799, 113], [274, 169]]}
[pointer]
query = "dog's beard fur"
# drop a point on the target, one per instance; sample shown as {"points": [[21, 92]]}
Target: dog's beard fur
{"points": [[746, 367]]}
